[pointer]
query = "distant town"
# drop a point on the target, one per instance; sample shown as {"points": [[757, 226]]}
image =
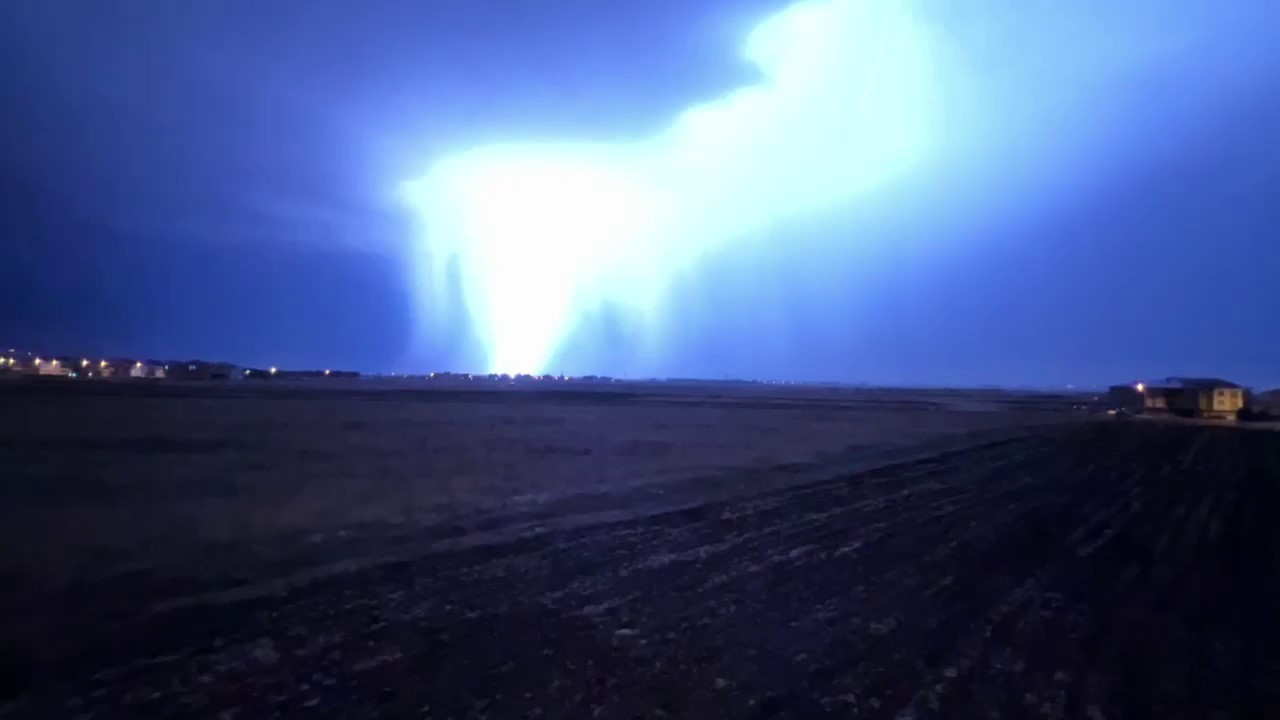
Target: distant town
{"points": [[26, 363], [1204, 398], [15, 362]]}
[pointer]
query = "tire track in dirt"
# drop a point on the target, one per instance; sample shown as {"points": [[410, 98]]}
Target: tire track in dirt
{"points": [[1129, 640]]}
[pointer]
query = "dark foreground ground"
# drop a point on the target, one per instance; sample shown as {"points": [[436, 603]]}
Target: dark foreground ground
{"points": [[1096, 570]]}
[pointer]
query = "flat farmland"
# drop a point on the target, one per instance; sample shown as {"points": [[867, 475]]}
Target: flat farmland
{"points": [[136, 478], [880, 554]]}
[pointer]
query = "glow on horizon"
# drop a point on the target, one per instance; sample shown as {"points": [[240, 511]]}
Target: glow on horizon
{"points": [[546, 232]]}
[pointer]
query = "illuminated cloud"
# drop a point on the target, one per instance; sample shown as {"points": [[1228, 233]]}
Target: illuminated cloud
{"points": [[544, 233]]}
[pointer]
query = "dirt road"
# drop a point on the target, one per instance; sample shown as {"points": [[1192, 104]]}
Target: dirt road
{"points": [[1091, 571]]}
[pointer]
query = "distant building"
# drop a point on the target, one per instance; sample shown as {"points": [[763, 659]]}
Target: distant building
{"points": [[115, 368], [1186, 397], [52, 366], [79, 366], [313, 374], [13, 363], [151, 369], [200, 370], [105, 369]]}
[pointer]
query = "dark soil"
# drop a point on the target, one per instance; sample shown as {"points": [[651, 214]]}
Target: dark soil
{"points": [[1105, 570]]}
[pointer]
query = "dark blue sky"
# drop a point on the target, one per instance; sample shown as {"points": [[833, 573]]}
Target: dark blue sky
{"points": [[218, 179]]}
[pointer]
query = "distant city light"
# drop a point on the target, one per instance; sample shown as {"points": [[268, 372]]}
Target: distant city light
{"points": [[273, 370], [102, 364], [84, 362], [326, 372], [1142, 387], [38, 361], [138, 364]]}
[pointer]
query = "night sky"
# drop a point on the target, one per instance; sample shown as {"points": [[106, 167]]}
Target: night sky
{"points": [[1101, 200]]}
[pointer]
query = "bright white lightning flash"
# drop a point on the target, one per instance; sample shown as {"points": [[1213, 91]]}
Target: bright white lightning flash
{"points": [[546, 232]]}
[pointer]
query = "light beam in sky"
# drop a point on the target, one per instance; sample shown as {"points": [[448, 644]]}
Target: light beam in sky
{"points": [[544, 233]]}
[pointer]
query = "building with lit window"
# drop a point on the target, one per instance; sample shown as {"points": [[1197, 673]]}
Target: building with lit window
{"points": [[52, 366], [1186, 397]]}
